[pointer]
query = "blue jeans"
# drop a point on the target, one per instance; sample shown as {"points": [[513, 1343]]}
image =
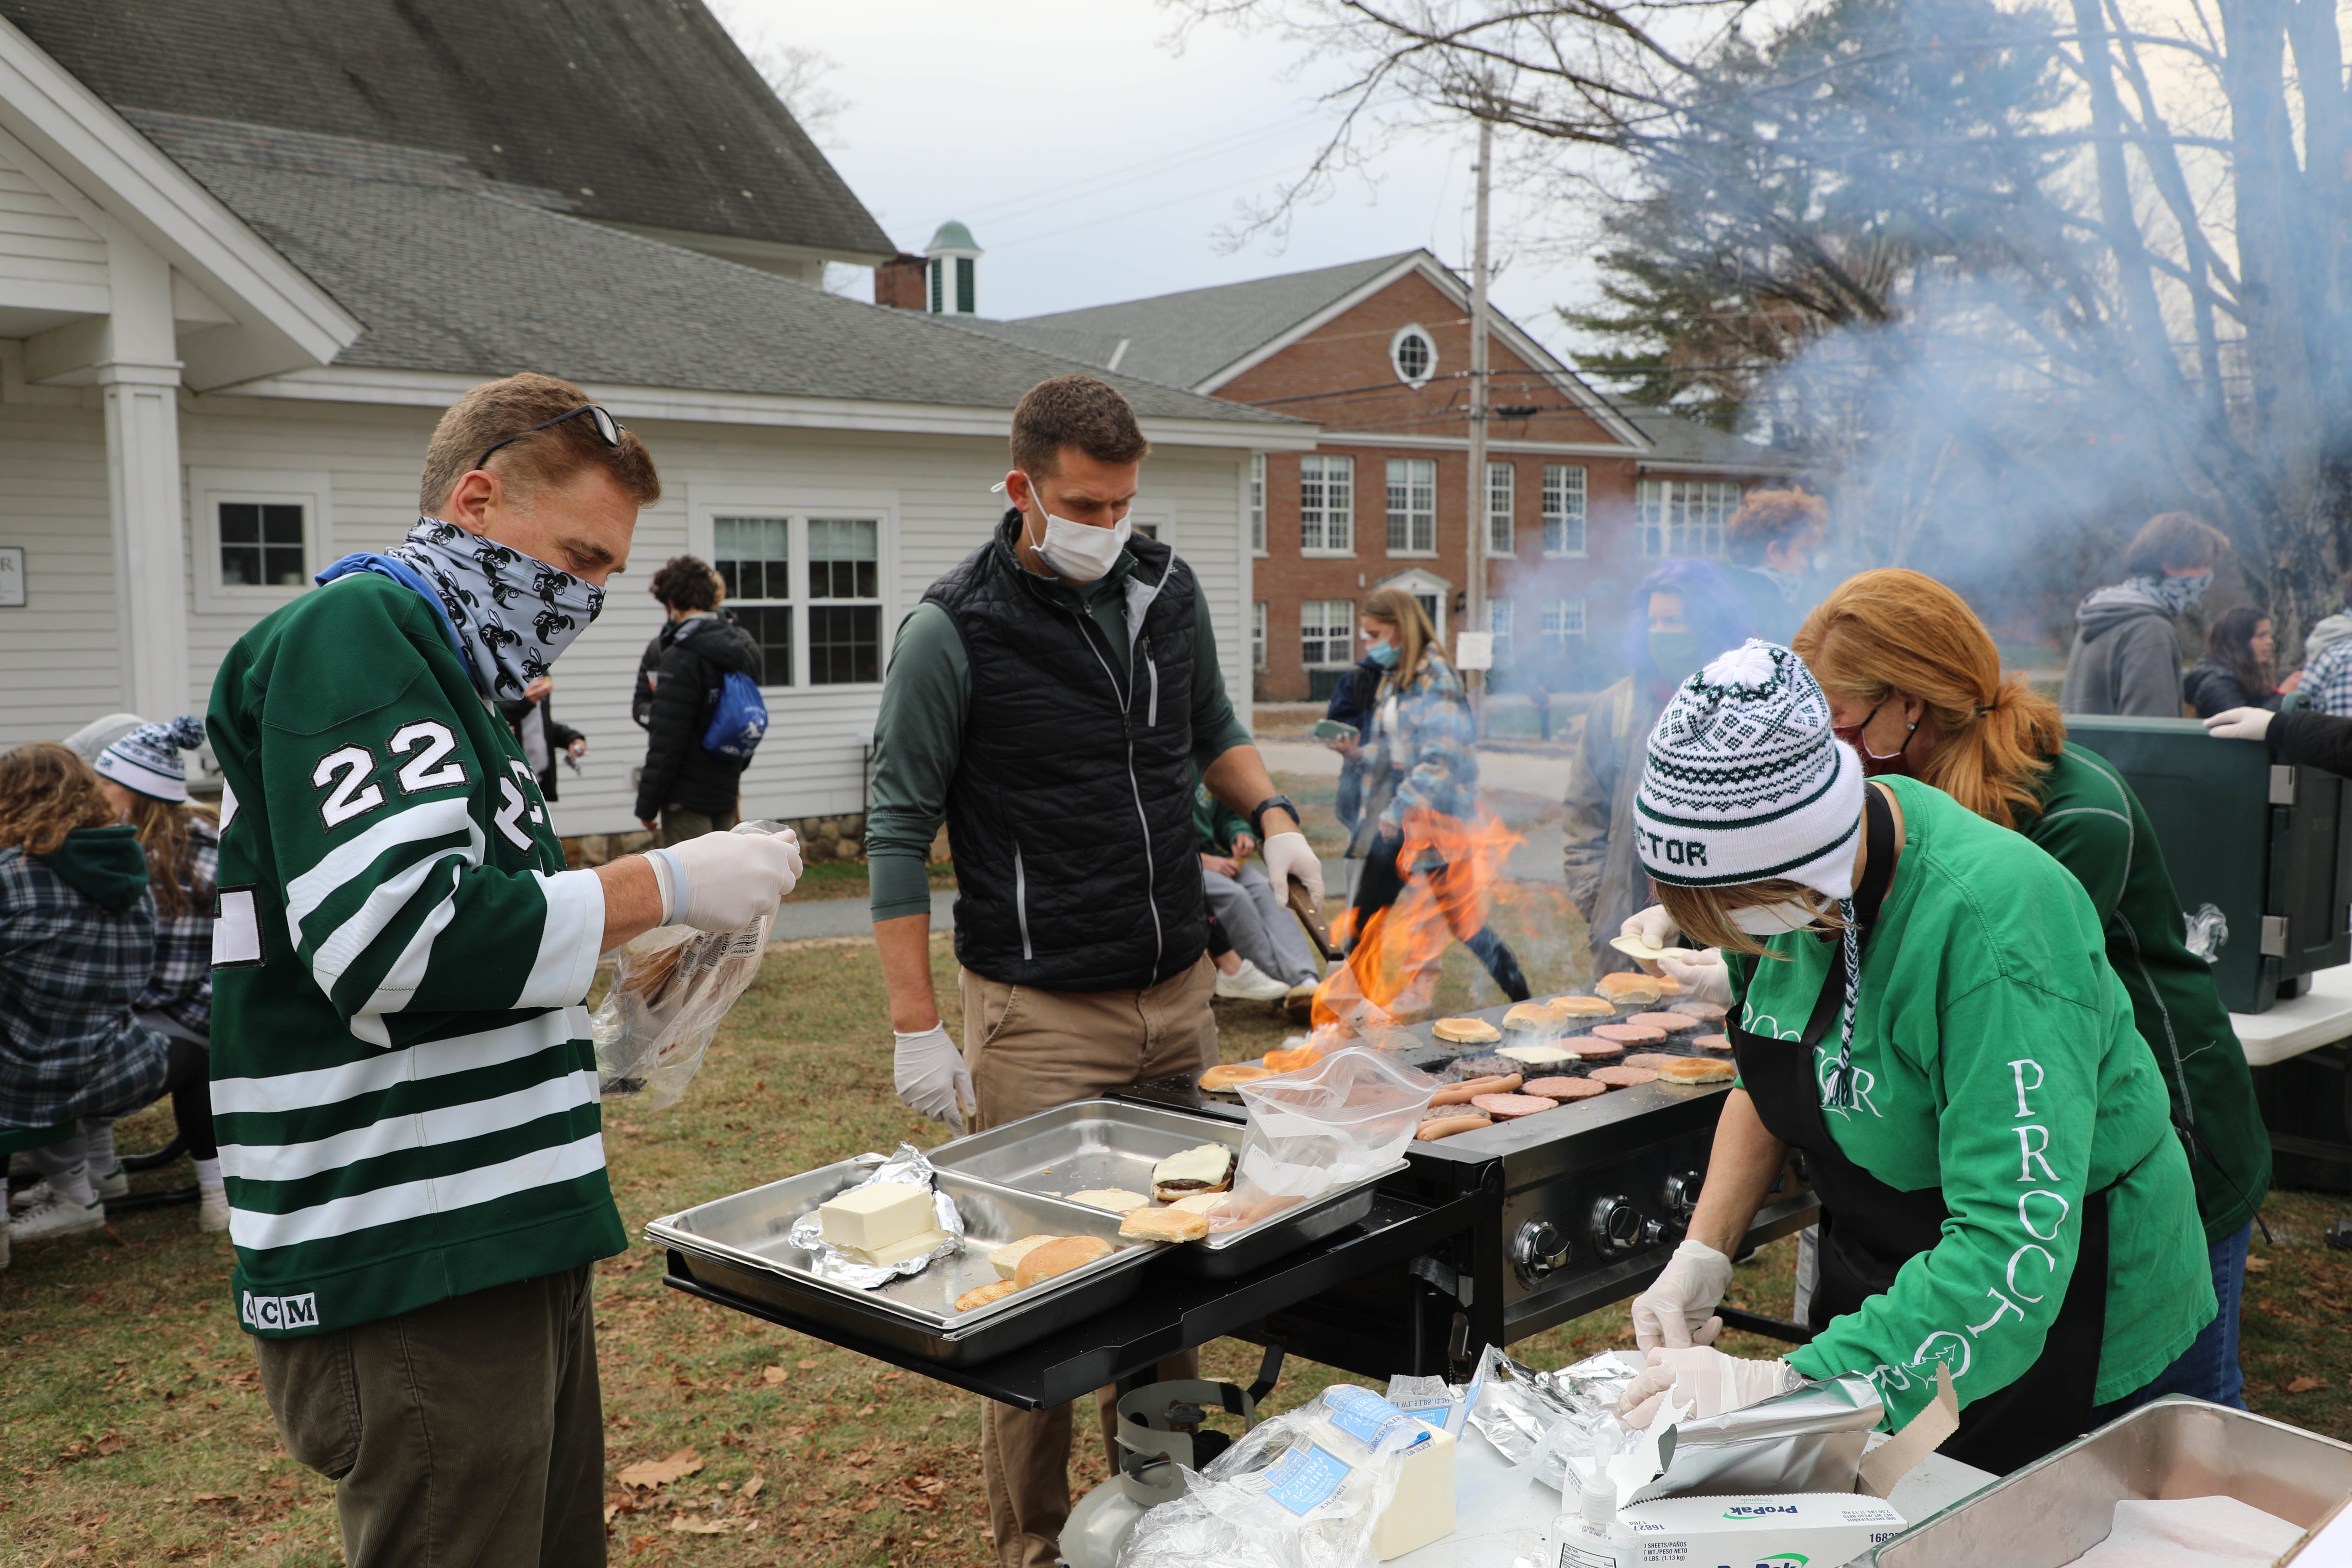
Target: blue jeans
{"points": [[2209, 1367]]}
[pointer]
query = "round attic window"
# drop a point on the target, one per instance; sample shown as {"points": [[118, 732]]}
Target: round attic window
{"points": [[1413, 355]]}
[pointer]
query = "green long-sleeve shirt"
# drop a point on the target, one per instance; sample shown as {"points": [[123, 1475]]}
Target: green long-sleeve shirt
{"points": [[926, 701], [1997, 1059], [2093, 825]]}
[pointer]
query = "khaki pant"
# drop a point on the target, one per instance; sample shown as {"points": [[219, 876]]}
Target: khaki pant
{"points": [[470, 1431], [678, 824], [1031, 1050]]}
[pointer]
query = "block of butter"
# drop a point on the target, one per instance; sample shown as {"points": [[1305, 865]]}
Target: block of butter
{"points": [[898, 1251], [1423, 1510], [876, 1217]]}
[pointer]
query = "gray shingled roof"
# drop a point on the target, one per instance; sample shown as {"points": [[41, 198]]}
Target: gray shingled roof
{"points": [[1184, 339], [1676, 439], [640, 111], [457, 279]]}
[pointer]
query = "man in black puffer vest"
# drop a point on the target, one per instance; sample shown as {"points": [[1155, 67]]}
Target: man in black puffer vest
{"points": [[1049, 700]]}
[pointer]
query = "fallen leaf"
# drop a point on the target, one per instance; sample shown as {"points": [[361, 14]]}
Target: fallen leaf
{"points": [[2304, 1384], [610, 1509], [661, 1472], [215, 1496], [698, 1526], [752, 1488], [773, 1375], [804, 1366], [865, 1410], [2258, 1266]]}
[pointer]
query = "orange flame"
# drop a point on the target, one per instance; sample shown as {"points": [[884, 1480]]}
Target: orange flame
{"points": [[1390, 972]]}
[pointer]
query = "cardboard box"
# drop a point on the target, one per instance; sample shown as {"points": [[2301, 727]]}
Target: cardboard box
{"points": [[1800, 1530]]}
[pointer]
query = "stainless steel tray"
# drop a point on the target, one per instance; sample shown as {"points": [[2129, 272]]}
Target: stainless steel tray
{"points": [[1094, 1143], [740, 1244], [2062, 1505]]}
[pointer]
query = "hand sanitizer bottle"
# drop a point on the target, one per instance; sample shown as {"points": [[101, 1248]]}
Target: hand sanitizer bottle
{"points": [[1589, 1534]]}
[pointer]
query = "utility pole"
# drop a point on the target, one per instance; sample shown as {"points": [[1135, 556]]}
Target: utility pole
{"points": [[1474, 603]]}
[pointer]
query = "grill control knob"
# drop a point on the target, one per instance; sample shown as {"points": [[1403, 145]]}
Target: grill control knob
{"points": [[1681, 1194], [1617, 1227], [1539, 1249]]}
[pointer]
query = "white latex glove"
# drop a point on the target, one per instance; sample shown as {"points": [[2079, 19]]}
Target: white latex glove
{"points": [[1679, 1310], [1705, 1378], [722, 881], [1288, 854], [2240, 724], [1652, 925], [1704, 978], [931, 1080]]}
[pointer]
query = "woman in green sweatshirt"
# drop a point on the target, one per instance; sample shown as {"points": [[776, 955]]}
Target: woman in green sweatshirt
{"points": [[1914, 685], [1925, 1008]]}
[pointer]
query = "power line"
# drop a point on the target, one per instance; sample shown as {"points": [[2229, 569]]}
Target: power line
{"points": [[1166, 163]]}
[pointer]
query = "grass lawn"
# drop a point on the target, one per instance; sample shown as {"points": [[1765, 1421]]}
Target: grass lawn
{"points": [[133, 1418]]}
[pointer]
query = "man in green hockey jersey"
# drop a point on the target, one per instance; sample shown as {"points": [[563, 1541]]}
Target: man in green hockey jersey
{"points": [[404, 1084]]}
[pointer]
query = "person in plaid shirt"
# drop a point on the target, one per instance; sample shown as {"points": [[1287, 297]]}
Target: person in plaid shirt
{"points": [[76, 944]]}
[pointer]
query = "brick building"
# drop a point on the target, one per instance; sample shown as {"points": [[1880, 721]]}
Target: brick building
{"points": [[1583, 493]]}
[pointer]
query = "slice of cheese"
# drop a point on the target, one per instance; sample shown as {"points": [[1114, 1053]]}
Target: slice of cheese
{"points": [[1423, 1510], [1006, 1258], [1206, 1168], [1538, 1055], [877, 1216], [898, 1251], [1117, 1200]]}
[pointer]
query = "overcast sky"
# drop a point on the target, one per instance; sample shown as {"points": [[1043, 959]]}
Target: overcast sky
{"points": [[1093, 162]]}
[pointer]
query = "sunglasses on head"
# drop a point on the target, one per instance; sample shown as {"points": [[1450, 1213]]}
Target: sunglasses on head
{"points": [[608, 429]]}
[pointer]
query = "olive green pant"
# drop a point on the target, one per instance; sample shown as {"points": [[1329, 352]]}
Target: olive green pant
{"points": [[1030, 1050], [470, 1432], [678, 824]]}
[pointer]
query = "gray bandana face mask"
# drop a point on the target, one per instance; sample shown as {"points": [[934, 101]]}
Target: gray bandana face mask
{"points": [[514, 614], [2178, 596]]}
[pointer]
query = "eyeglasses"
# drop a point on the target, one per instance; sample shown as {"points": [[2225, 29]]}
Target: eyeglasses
{"points": [[608, 429]]}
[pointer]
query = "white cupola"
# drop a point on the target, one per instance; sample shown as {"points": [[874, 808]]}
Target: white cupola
{"points": [[954, 259]]}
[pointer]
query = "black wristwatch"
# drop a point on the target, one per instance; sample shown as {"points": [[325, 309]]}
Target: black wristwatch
{"points": [[1257, 814]]}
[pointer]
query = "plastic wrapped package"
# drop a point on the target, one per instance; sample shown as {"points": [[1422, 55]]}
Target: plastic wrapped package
{"points": [[1344, 1120], [671, 989], [1306, 1490], [907, 1166], [1430, 1399]]}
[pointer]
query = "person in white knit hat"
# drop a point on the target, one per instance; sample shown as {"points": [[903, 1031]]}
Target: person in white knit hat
{"points": [[1921, 1003]]}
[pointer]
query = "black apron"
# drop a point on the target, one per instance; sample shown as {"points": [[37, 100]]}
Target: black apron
{"points": [[1869, 1229]]}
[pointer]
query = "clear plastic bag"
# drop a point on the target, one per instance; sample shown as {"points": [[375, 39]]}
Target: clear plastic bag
{"points": [[1305, 1489], [671, 989], [1345, 1118]]}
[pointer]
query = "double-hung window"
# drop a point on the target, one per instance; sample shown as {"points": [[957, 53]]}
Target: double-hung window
{"points": [[1327, 506], [1412, 506], [808, 589], [1500, 619], [1563, 508], [1258, 635], [1563, 624], [1502, 494], [1327, 633], [1683, 517]]}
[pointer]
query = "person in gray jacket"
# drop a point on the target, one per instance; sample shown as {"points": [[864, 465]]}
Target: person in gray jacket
{"points": [[2127, 653]]}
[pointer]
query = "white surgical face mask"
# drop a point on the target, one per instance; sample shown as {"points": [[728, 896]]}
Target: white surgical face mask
{"points": [[1771, 920], [1078, 552]]}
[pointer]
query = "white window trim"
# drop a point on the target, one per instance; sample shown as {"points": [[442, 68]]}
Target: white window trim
{"points": [[1259, 622], [1258, 517], [1543, 518], [1160, 516], [1509, 517], [1426, 336], [208, 488], [706, 502]]}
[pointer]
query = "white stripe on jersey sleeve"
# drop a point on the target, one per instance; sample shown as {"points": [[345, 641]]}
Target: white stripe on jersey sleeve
{"points": [[386, 901], [569, 943], [280, 1092], [433, 819], [409, 1130], [439, 1195]]}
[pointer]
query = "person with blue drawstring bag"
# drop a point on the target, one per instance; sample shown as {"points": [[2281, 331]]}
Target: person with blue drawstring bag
{"points": [[706, 716]]}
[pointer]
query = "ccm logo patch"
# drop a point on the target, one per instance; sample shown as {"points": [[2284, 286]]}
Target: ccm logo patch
{"points": [[272, 1312]]}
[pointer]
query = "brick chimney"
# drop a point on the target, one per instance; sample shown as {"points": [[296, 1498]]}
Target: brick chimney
{"points": [[899, 282]]}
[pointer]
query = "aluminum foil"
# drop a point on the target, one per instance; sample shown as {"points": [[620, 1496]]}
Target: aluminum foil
{"points": [[907, 1167], [1807, 1440], [1516, 1407]]}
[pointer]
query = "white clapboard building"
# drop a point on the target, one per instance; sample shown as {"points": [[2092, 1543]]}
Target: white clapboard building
{"points": [[248, 251]]}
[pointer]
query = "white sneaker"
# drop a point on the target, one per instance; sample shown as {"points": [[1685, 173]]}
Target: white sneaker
{"points": [[1250, 983], [212, 1208], [56, 1218], [115, 1183]]}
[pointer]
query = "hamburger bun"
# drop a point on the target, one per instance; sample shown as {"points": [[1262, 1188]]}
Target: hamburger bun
{"points": [[1535, 1015], [1117, 1200], [1164, 1224], [1625, 990], [981, 1295], [1465, 1031], [1672, 1023], [1584, 1007], [1198, 1203], [1227, 1077], [1697, 1069], [1059, 1258]]}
